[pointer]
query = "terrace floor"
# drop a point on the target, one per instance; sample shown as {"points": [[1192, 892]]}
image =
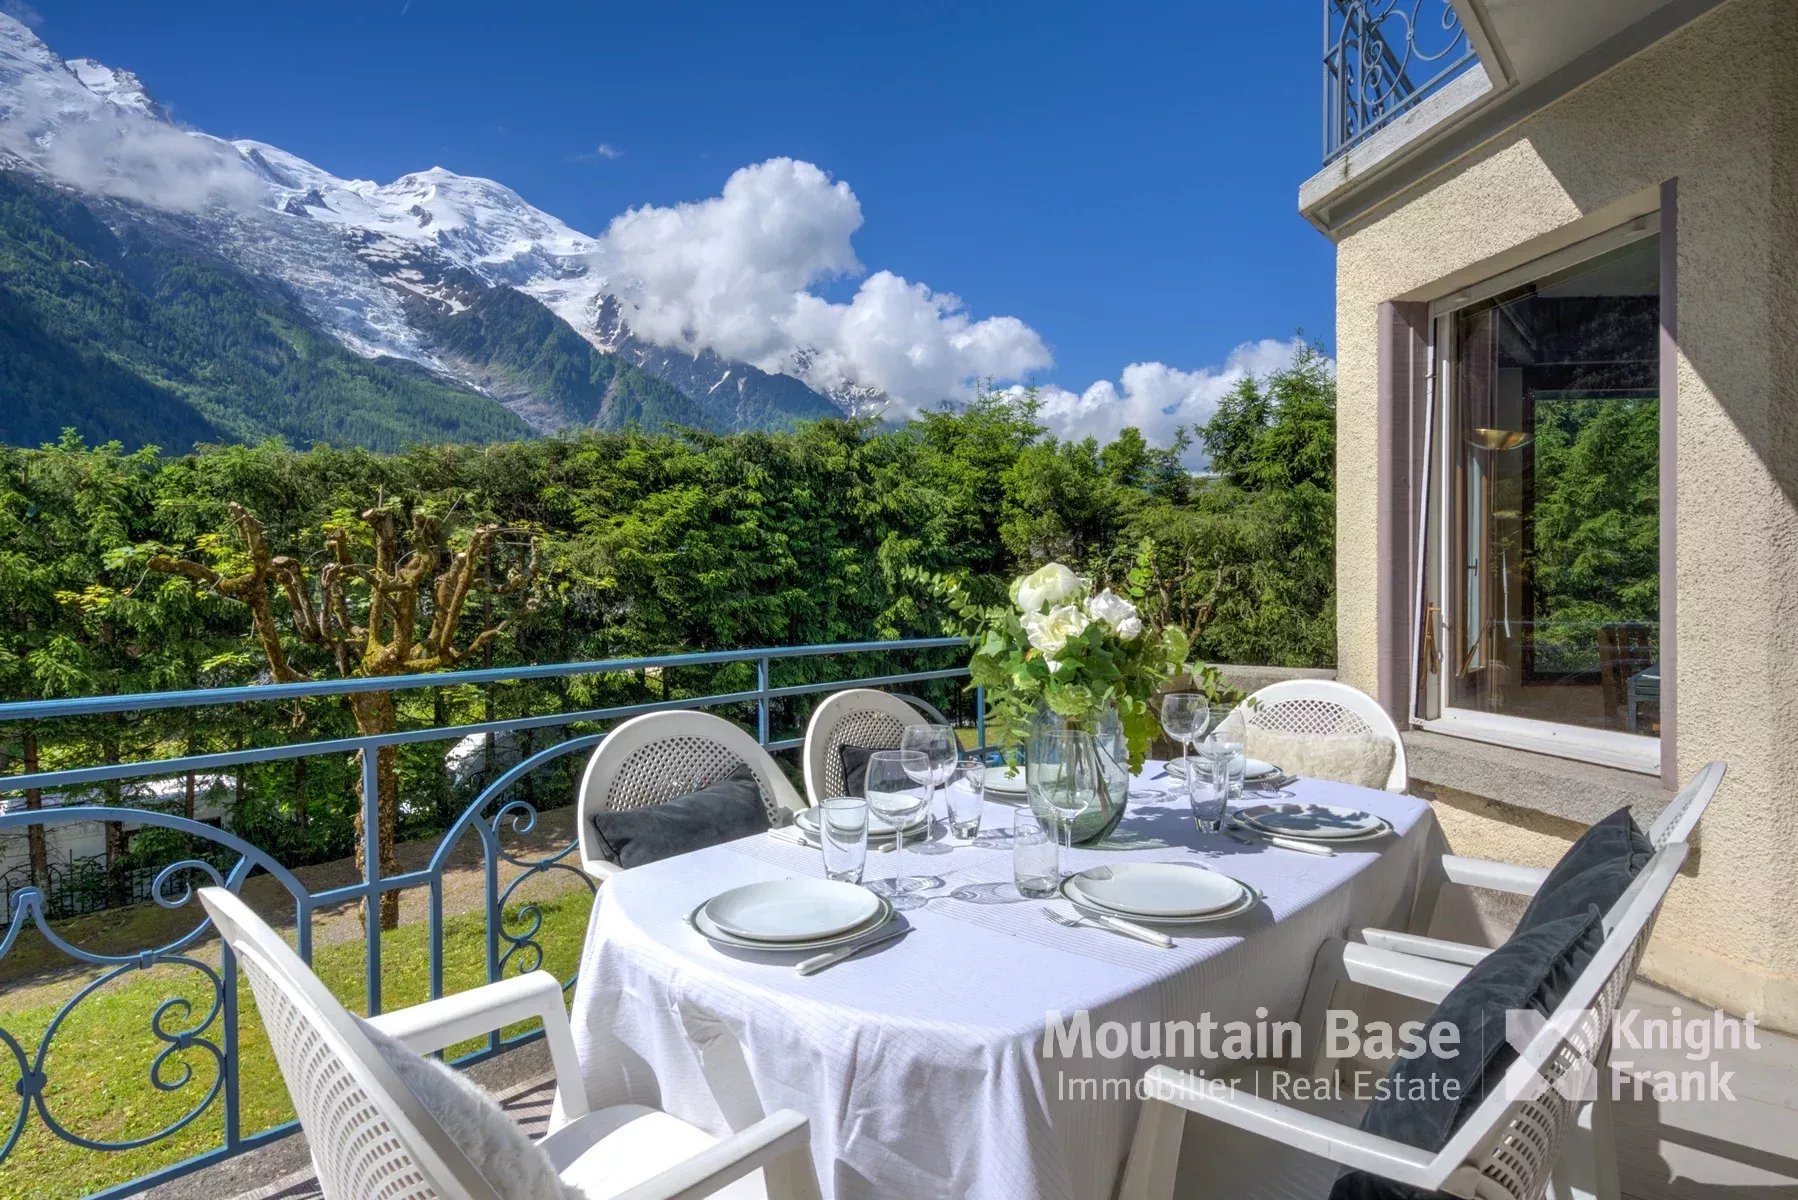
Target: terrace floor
{"points": [[1681, 1150]]}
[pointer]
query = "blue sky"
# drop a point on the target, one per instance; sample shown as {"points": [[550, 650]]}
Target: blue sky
{"points": [[1122, 178]]}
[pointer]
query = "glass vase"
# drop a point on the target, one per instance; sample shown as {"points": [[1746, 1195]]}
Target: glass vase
{"points": [[1097, 822]]}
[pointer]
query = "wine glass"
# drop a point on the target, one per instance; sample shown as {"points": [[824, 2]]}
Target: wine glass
{"points": [[1186, 715], [1068, 775], [892, 791], [937, 744]]}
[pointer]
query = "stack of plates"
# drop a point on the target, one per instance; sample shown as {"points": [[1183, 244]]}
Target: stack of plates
{"points": [[806, 821], [1163, 893], [1253, 769], [791, 914], [1313, 822], [1003, 779]]}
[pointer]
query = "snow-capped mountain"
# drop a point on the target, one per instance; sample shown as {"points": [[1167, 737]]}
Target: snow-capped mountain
{"points": [[391, 270]]}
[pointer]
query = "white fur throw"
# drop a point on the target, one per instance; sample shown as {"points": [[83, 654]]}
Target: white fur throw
{"points": [[494, 1143], [1364, 759]]}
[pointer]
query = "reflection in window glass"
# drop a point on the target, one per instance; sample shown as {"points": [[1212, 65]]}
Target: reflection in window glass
{"points": [[1554, 597]]}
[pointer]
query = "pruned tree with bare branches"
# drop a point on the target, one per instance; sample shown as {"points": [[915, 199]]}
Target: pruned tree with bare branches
{"points": [[401, 614]]}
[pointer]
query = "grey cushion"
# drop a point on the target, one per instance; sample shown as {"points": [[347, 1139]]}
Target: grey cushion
{"points": [[722, 811], [855, 768], [1524, 973], [1596, 870]]}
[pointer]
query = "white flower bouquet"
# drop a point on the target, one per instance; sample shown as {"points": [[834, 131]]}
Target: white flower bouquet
{"points": [[1077, 653]]}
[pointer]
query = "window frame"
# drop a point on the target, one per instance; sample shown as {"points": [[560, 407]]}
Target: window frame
{"points": [[1436, 525]]}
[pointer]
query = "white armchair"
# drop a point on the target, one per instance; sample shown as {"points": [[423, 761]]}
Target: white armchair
{"points": [[864, 717], [653, 758], [1676, 823], [1323, 706], [1525, 1141], [371, 1136]]}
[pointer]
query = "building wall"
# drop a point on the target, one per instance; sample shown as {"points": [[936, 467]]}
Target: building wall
{"points": [[1714, 107]]}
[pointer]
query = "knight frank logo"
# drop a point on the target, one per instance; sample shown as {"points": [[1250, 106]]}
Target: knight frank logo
{"points": [[1570, 1065], [1682, 1049]]}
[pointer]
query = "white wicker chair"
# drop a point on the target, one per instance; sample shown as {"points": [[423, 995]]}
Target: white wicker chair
{"points": [[371, 1138], [1323, 706], [858, 717], [653, 758], [1523, 1139], [1675, 824]]}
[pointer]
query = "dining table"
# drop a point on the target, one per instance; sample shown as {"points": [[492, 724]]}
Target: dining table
{"points": [[937, 1064]]}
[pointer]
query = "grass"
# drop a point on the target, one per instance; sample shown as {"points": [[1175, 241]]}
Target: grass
{"points": [[98, 1070]]}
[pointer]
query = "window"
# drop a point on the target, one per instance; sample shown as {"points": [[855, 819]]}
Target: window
{"points": [[1540, 623]]}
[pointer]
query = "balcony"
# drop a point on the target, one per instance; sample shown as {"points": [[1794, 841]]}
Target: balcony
{"points": [[1381, 59], [131, 1045]]}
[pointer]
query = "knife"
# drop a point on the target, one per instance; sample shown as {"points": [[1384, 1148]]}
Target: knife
{"points": [[1131, 929], [831, 958], [1237, 830]]}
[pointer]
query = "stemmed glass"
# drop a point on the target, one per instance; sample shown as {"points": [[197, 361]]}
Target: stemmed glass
{"points": [[1068, 775], [892, 791], [938, 746], [1186, 715]]}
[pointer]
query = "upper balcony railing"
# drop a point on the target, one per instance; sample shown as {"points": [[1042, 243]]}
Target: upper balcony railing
{"points": [[153, 1021], [1382, 58]]}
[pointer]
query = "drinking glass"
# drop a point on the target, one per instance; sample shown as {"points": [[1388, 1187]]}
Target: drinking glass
{"points": [[937, 744], [1067, 775], [843, 837], [1035, 862], [1186, 716], [1223, 767], [893, 793], [967, 798]]}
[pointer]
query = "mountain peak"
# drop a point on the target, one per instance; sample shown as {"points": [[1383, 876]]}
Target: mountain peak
{"points": [[121, 89]]}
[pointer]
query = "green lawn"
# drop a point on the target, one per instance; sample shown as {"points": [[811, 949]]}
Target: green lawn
{"points": [[99, 1084]]}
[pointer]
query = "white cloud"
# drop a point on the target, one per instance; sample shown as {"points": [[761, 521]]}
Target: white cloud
{"points": [[22, 12], [135, 158], [1157, 398], [109, 146], [734, 274], [604, 152]]}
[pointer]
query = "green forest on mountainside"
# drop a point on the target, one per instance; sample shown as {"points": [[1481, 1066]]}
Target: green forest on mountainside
{"points": [[526, 347], [648, 544], [138, 338]]}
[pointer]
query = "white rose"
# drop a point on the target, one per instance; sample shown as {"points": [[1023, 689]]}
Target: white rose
{"points": [[1130, 628], [1046, 588], [1050, 631], [1114, 610]]}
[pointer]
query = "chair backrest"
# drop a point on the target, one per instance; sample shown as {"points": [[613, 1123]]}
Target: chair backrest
{"points": [[653, 758], [1679, 819], [861, 717], [370, 1137], [1507, 1148], [1324, 706]]}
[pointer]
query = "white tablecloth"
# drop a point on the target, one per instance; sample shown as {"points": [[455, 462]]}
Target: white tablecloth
{"points": [[920, 1063]]}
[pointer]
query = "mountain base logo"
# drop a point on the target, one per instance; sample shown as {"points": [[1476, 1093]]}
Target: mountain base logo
{"points": [[1217, 1052]]}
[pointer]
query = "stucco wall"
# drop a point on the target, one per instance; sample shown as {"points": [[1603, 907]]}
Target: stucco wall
{"points": [[1715, 107]]}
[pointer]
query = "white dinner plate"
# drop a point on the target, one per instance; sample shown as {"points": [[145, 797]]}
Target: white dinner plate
{"points": [[1319, 822], [1253, 769], [709, 930], [878, 826], [1247, 898], [1156, 889], [792, 910], [1004, 782]]}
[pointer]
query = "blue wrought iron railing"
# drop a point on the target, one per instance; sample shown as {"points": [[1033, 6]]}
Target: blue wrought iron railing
{"points": [[1381, 58], [202, 1052]]}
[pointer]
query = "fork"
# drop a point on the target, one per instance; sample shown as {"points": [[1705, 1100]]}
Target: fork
{"points": [[1112, 924]]}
